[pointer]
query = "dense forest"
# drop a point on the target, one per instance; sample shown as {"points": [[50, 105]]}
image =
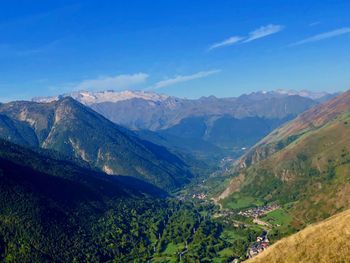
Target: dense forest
{"points": [[60, 210], [130, 230]]}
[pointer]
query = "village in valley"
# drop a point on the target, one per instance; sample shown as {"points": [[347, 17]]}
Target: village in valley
{"points": [[253, 213], [254, 216], [255, 219], [262, 243], [257, 212]]}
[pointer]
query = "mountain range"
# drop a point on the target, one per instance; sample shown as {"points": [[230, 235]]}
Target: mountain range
{"points": [[140, 110], [209, 127]]}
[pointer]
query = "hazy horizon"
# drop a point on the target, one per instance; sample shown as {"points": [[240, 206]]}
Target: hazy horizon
{"points": [[163, 93]]}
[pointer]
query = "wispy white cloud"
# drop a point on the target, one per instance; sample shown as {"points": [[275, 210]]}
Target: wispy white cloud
{"points": [[183, 78], [315, 23], [7, 50], [113, 82], [261, 32], [34, 18], [323, 36], [6, 99], [228, 42]]}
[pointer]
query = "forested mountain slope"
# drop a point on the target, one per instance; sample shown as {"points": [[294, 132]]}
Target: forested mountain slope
{"points": [[54, 210], [46, 205], [75, 130]]}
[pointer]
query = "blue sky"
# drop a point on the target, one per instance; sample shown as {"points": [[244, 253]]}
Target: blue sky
{"points": [[183, 48]]}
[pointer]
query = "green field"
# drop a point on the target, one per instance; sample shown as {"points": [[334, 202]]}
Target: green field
{"points": [[164, 259], [278, 217], [231, 235], [224, 255], [172, 248], [237, 202]]}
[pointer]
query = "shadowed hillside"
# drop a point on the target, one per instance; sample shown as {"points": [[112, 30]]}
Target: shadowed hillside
{"points": [[47, 205]]}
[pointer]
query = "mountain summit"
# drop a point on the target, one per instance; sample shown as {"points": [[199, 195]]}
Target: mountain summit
{"points": [[314, 95]]}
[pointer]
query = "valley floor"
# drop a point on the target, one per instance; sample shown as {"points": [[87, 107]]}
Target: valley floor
{"points": [[246, 222]]}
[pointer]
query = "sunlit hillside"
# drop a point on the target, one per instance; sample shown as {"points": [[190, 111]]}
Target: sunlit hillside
{"points": [[309, 170], [327, 241]]}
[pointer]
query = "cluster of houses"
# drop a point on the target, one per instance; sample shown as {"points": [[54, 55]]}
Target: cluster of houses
{"points": [[227, 160], [200, 196], [262, 243], [225, 213], [258, 211]]}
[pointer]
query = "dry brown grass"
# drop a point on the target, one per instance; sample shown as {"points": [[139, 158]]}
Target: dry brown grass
{"points": [[315, 117], [325, 242]]}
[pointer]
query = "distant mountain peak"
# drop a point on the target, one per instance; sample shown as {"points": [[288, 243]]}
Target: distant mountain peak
{"points": [[67, 99], [314, 95]]}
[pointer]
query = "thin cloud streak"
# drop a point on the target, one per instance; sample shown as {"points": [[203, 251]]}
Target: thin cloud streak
{"points": [[181, 79], [37, 17], [323, 36], [228, 42], [7, 50], [315, 23], [112, 82], [261, 32]]}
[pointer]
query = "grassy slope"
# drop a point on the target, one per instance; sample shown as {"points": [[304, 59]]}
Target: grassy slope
{"points": [[313, 171], [327, 241], [310, 120]]}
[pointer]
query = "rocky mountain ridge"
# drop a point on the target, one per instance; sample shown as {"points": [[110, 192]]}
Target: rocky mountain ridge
{"points": [[208, 128]]}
